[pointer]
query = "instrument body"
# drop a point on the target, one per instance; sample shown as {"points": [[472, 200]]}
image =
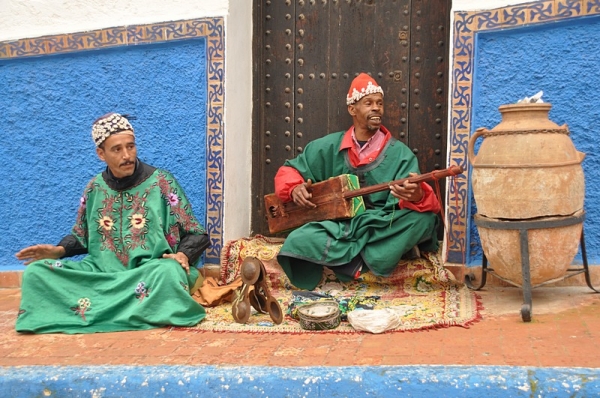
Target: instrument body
{"points": [[327, 195], [336, 198]]}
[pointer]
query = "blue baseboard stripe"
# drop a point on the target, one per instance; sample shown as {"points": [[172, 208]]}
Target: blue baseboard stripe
{"points": [[264, 381]]}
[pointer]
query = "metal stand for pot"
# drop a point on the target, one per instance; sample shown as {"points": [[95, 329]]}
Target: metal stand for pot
{"points": [[523, 227]]}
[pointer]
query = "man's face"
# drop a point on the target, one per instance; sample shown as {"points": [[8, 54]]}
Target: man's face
{"points": [[367, 112], [119, 153]]}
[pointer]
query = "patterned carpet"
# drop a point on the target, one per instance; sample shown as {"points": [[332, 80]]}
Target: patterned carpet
{"points": [[422, 292]]}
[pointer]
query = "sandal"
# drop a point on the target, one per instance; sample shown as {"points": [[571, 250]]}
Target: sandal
{"points": [[240, 310]]}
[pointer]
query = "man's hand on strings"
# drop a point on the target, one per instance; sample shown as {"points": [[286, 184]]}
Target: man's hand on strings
{"points": [[408, 191], [302, 196]]}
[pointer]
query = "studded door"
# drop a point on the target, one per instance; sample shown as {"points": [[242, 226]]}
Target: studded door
{"points": [[306, 54]]}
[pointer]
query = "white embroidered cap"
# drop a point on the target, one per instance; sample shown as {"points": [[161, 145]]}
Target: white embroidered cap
{"points": [[111, 123]]}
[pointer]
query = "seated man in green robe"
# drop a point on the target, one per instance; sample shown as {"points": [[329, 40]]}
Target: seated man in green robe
{"points": [[142, 242], [395, 220]]}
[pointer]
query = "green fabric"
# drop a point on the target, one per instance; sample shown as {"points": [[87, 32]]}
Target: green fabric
{"points": [[381, 235], [123, 283]]}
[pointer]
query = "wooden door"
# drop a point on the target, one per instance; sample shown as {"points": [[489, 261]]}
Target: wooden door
{"points": [[306, 53]]}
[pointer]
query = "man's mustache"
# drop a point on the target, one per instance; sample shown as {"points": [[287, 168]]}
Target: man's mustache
{"points": [[126, 163]]}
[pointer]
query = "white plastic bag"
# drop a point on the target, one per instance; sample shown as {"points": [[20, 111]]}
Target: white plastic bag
{"points": [[535, 99], [374, 321]]}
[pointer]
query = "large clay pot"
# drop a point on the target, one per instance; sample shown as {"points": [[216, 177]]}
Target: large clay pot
{"points": [[527, 166], [528, 169]]}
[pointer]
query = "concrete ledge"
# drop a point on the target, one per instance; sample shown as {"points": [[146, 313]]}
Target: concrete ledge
{"points": [[10, 279], [374, 381]]}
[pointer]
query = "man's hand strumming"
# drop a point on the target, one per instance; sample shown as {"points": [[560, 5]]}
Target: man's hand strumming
{"points": [[302, 196]]}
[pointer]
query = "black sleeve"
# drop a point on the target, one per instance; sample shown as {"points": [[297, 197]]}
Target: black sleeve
{"points": [[72, 246], [193, 246]]}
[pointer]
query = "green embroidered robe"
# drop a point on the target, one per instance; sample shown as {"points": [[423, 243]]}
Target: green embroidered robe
{"points": [[381, 234], [123, 283]]}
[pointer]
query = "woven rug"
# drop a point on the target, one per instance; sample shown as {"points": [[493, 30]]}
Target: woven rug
{"points": [[422, 291]]}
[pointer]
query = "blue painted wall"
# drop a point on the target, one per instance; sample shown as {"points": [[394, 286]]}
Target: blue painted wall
{"points": [[48, 105], [562, 59]]}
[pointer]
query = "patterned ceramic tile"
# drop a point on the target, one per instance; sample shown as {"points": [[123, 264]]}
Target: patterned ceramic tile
{"points": [[466, 27], [212, 29], [591, 7]]}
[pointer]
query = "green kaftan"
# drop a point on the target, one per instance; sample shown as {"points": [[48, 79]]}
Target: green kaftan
{"points": [[123, 283], [381, 235]]}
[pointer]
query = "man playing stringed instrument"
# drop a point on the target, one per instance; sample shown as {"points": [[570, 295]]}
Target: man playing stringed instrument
{"points": [[394, 221]]}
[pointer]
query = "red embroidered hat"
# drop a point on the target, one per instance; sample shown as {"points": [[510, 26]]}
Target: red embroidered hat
{"points": [[362, 85]]}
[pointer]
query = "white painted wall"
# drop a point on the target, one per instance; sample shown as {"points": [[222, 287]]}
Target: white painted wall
{"points": [[21, 19], [238, 121]]}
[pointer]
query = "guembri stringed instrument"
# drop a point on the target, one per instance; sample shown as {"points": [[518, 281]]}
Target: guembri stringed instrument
{"points": [[336, 198]]}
